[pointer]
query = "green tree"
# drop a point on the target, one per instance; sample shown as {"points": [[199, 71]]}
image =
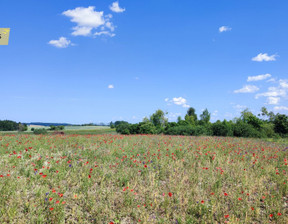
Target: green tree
{"points": [[191, 117], [205, 117], [281, 124], [159, 119]]}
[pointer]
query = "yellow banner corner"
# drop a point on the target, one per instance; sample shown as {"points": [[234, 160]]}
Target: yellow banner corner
{"points": [[4, 36]]}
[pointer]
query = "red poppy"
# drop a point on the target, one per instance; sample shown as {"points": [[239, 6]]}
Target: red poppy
{"points": [[170, 194], [279, 214], [51, 209], [226, 216]]}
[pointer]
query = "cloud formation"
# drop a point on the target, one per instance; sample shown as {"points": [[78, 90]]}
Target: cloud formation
{"points": [[224, 29], [281, 108], [111, 87], [178, 101], [247, 89], [275, 93], [89, 20], [61, 43], [264, 57], [258, 77], [116, 8]]}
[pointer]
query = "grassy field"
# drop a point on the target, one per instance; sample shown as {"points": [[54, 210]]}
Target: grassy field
{"points": [[86, 127], [69, 130], [142, 179]]}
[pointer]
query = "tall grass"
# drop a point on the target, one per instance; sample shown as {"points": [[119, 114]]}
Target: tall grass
{"points": [[141, 179]]}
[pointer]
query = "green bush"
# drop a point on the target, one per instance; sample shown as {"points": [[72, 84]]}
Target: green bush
{"points": [[40, 131]]}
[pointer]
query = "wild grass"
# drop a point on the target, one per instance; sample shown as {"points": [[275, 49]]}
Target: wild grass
{"points": [[141, 179]]}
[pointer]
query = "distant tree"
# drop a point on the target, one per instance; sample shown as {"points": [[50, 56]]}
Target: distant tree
{"points": [[8, 125], [191, 117], [158, 119], [22, 127], [112, 125], [205, 117], [179, 119], [249, 118], [281, 124]]}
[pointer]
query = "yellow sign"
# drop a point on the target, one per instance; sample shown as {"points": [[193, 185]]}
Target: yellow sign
{"points": [[4, 36]]}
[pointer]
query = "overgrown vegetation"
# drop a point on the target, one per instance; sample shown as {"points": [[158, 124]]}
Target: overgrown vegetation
{"points": [[265, 125], [142, 179]]}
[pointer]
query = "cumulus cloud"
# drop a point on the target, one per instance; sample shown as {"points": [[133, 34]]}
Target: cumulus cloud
{"points": [[178, 101], [247, 89], [281, 108], [116, 8], [264, 57], [272, 92], [111, 87], [61, 43], [273, 100], [275, 93], [224, 29], [258, 77], [283, 83], [88, 19]]}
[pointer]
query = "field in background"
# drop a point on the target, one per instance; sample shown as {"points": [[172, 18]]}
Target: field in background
{"points": [[142, 179], [68, 130], [85, 127]]}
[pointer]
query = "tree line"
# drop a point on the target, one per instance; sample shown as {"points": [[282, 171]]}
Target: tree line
{"points": [[264, 125], [7, 125]]}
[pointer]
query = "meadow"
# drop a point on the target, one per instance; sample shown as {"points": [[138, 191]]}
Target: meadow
{"points": [[142, 179]]}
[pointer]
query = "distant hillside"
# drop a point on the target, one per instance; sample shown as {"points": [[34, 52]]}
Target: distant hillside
{"points": [[64, 124], [48, 124]]}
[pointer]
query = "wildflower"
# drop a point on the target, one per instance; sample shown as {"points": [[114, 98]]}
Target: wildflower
{"points": [[279, 214], [170, 194], [225, 194], [202, 202], [239, 199], [226, 216], [51, 209], [271, 215], [252, 208]]}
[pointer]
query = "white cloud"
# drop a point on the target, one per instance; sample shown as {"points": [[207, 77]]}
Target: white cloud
{"points": [[116, 8], [272, 92], [111, 87], [88, 19], [247, 89], [61, 43], [273, 100], [264, 57], [178, 101], [258, 77], [280, 108], [283, 83], [104, 33], [271, 80], [224, 29]]}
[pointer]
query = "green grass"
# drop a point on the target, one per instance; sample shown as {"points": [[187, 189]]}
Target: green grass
{"points": [[86, 127], [142, 179]]}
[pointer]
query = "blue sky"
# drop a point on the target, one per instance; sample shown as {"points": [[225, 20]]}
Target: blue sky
{"points": [[80, 61]]}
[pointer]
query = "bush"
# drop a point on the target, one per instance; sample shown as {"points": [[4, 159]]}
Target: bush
{"points": [[40, 131], [123, 129], [222, 128]]}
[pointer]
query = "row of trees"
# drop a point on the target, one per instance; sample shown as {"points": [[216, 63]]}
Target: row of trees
{"points": [[7, 125], [266, 124]]}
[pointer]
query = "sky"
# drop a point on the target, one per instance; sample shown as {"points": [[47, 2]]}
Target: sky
{"points": [[83, 61]]}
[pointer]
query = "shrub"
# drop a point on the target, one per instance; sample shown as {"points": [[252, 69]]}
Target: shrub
{"points": [[40, 131]]}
